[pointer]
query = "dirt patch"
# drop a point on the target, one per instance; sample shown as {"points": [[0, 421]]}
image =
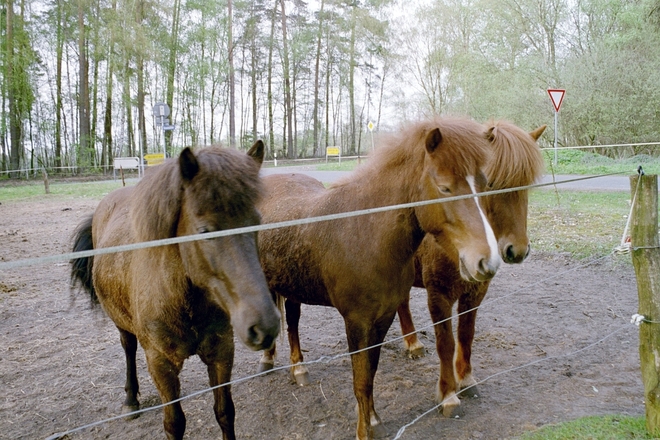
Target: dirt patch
{"points": [[62, 366]]}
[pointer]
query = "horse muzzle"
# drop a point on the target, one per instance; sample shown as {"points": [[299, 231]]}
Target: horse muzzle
{"points": [[484, 270], [513, 255], [258, 330]]}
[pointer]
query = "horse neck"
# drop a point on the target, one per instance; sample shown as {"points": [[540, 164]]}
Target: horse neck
{"points": [[391, 180], [394, 177], [164, 269]]}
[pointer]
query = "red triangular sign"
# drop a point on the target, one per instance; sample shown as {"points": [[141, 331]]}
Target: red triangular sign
{"points": [[557, 96]]}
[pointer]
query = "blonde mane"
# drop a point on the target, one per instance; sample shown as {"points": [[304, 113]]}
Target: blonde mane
{"points": [[517, 158], [461, 151]]}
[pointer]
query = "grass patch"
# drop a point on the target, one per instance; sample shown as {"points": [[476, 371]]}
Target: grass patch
{"points": [[334, 165], [582, 223], [95, 190], [568, 162], [593, 428], [582, 162]]}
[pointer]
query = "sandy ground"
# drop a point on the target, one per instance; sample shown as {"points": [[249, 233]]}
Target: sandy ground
{"points": [[537, 352]]}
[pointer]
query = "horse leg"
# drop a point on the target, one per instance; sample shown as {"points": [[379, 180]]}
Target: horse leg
{"points": [[360, 335], [129, 343], [466, 326], [218, 355], [440, 308], [413, 346], [299, 373], [267, 361], [165, 374]]}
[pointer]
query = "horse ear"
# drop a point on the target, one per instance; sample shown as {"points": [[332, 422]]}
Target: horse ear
{"points": [[433, 139], [536, 134], [489, 134], [188, 164], [257, 152]]}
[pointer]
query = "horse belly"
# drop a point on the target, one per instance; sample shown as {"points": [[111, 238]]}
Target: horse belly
{"points": [[112, 272], [112, 290]]}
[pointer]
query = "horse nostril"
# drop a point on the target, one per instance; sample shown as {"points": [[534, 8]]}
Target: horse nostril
{"points": [[509, 254], [261, 338], [255, 335], [486, 269]]}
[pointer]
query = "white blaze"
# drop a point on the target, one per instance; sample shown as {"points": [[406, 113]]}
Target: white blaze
{"points": [[490, 235]]}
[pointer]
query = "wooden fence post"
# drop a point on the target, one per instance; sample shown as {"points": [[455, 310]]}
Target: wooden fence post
{"points": [[646, 259]]}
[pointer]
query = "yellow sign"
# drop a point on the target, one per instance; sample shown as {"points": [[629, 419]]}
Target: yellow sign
{"points": [[154, 158], [332, 151]]}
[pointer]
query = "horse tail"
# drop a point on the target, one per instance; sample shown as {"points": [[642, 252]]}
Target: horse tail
{"points": [[81, 268]]}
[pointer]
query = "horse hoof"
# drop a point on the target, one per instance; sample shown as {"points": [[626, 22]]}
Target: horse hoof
{"points": [[379, 430], [301, 378], [128, 409], [452, 411], [416, 353], [470, 392], [451, 406], [264, 366]]}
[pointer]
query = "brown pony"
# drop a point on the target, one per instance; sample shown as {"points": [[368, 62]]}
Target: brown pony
{"points": [[182, 299], [363, 265], [516, 161]]}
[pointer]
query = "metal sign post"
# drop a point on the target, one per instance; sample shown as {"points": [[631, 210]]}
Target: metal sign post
{"points": [[557, 97], [161, 113], [370, 126]]}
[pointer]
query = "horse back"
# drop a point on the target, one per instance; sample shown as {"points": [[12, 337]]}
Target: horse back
{"points": [[287, 257]]}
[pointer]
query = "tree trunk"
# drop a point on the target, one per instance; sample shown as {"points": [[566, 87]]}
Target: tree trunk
{"points": [[253, 79], [351, 81], [107, 153], [107, 122], [83, 91], [15, 128], [171, 72], [287, 88], [232, 97], [95, 90], [59, 36], [142, 125], [129, 108], [315, 113], [271, 131]]}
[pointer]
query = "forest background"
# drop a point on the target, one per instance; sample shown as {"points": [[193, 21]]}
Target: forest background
{"points": [[80, 78]]}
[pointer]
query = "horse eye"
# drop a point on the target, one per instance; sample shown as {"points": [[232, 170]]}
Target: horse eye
{"points": [[444, 189], [203, 230]]}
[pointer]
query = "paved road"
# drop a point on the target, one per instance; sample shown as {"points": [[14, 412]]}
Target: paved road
{"points": [[608, 183]]}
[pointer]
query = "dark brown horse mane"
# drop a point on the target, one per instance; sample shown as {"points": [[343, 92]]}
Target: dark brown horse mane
{"points": [[458, 150], [226, 178], [517, 159]]}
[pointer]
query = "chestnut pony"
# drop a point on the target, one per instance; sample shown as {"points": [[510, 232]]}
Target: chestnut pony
{"points": [[363, 265], [182, 299], [516, 161]]}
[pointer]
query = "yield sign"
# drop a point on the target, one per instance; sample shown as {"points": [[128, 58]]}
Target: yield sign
{"points": [[557, 96]]}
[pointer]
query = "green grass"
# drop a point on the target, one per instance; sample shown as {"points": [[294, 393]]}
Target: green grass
{"points": [[35, 189], [333, 165], [593, 428], [581, 162], [582, 223], [568, 162]]}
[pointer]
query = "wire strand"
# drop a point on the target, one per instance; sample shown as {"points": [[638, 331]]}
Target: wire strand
{"points": [[267, 226], [538, 361], [321, 359]]}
